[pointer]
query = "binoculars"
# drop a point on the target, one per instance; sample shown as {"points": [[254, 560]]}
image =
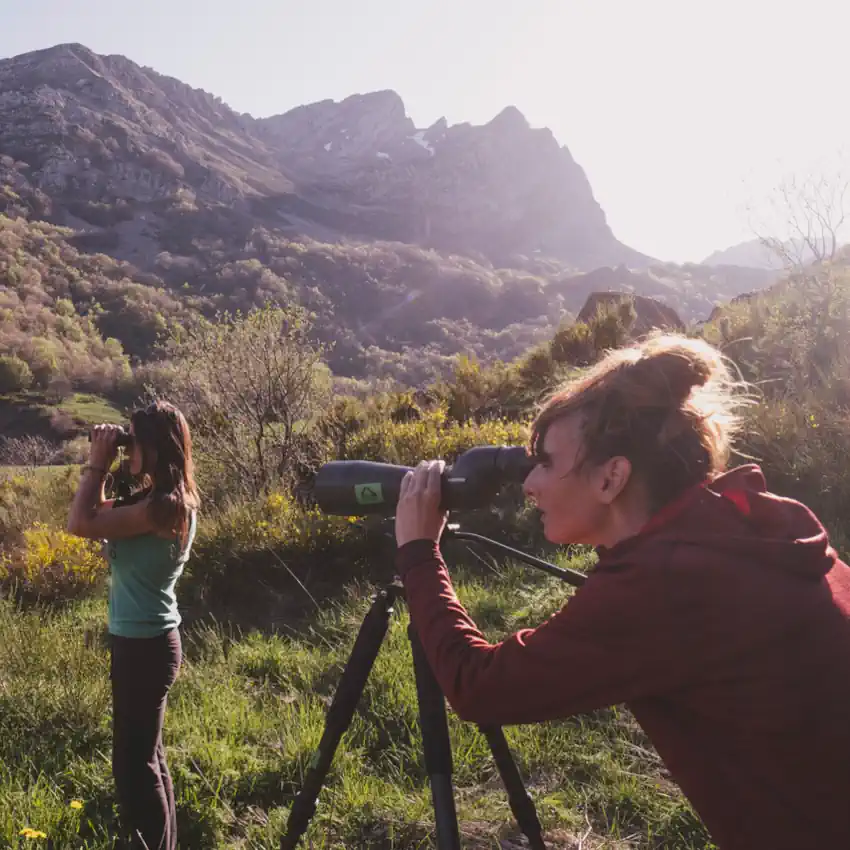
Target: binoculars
{"points": [[122, 438]]}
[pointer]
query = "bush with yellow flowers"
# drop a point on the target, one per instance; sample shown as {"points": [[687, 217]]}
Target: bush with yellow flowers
{"points": [[432, 435], [274, 521], [53, 564]]}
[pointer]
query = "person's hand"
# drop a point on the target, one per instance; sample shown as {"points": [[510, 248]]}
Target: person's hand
{"points": [[103, 446], [418, 515]]}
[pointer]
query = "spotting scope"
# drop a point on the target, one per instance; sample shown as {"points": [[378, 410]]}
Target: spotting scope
{"points": [[358, 487]]}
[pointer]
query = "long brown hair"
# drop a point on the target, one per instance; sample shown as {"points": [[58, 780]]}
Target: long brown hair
{"points": [[668, 405], [168, 473]]}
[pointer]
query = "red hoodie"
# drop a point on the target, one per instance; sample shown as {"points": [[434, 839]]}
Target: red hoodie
{"points": [[724, 625]]}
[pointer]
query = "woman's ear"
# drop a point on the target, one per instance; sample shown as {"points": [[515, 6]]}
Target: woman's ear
{"points": [[612, 478]]}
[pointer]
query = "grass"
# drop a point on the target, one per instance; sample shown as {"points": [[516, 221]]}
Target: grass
{"points": [[248, 711], [32, 413], [40, 473], [88, 409]]}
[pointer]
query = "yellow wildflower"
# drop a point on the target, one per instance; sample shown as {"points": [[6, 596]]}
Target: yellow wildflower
{"points": [[29, 832], [76, 804]]}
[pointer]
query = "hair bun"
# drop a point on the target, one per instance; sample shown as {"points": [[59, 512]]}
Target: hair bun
{"points": [[678, 365], [639, 403]]}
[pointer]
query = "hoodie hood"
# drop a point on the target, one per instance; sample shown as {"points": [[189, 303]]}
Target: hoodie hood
{"points": [[735, 514]]}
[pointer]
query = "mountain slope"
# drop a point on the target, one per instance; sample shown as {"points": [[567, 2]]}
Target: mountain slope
{"points": [[751, 254], [409, 246], [98, 125], [759, 254], [101, 129], [497, 189]]}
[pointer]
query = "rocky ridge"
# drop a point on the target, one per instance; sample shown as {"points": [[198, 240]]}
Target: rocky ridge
{"points": [[104, 130]]}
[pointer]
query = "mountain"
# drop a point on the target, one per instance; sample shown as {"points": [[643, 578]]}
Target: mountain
{"points": [[129, 200], [752, 254], [102, 130], [758, 255], [498, 189]]}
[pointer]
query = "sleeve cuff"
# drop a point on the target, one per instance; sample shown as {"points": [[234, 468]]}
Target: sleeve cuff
{"points": [[417, 552]]}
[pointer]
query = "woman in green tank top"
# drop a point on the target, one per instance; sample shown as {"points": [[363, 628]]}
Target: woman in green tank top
{"points": [[149, 537]]}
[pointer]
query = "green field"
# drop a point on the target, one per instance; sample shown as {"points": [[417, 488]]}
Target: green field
{"points": [[33, 414], [44, 473], [91, 409], [248, 711]]}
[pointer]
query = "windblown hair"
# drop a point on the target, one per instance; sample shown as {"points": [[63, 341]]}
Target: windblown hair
{"points": [[162, 434], [668, 405]]}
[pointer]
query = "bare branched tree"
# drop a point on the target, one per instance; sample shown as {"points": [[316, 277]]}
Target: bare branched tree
{"points": [[250, 386], [29, 451], [813, 211]]}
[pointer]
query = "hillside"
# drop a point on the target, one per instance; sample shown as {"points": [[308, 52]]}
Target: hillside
{"points": [[761, 254], [275, 594], [139, 201], [752, 254], [387, 308]]}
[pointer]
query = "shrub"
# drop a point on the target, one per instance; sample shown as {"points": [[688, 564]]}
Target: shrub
{"points": [[475, 392], [15, 374], [274, 521], [34, 495], [76, 450], [430, 436], [250, 386], [52, 564], [29, 451], [574, 344], [801, 443]]}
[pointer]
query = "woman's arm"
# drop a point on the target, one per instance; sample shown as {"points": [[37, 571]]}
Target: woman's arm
{"points": [[622, 637], [618, 639], [89, 515], [89, 518]]}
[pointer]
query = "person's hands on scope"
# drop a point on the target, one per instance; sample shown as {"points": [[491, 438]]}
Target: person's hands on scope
{"points": [[103, 446], [418, 515]]}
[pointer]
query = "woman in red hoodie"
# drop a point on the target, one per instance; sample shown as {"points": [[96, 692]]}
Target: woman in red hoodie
{"points": [[718, 611]]}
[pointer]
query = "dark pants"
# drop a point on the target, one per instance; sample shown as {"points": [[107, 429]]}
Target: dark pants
{"points": [[143, 669]]}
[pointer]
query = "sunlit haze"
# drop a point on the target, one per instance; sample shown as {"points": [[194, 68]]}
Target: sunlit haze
{"points": [[683, 114]]}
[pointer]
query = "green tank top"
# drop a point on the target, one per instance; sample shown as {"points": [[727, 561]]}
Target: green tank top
{"points": [[143, 574]]}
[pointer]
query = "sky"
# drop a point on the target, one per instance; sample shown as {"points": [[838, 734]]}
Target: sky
{"points": [[684, 115]]}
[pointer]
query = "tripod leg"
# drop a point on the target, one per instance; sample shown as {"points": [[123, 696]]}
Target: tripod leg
{"points": [[520, 803], [359, 665], [436, 746]]}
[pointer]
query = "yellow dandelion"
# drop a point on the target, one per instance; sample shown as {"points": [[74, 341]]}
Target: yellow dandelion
{"points": [[76, 804], [29, 832]]}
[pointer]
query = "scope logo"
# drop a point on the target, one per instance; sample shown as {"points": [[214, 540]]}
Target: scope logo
{"points": [[369, 494]]}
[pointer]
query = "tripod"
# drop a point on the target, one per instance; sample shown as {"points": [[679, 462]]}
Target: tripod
{"points": [[432, 720]]}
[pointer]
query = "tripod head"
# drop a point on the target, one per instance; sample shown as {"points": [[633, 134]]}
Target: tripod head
{"points": [[573, 577], [453, 532]]}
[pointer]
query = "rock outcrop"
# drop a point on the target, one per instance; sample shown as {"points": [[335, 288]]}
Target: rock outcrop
{"points": [[650, 314]]}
